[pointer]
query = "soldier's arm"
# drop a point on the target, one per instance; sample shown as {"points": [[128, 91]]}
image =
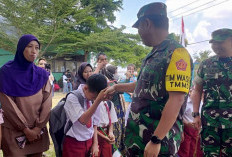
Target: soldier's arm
{"points": [[197, 94], [124, 87], [196, 99], [169, 114], [179, 66]]}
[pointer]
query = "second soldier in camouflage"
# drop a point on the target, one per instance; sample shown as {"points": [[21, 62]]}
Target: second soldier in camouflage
{"points": [[214, 77]]}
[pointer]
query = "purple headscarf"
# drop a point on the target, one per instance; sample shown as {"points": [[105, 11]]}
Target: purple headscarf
{"points": [[80, 78], [20, 77]]}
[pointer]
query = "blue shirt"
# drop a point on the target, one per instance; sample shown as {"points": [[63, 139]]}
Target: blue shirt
{"points": [[127, 96]]}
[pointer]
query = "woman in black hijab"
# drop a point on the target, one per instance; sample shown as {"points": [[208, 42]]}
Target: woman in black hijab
{"points": [[119, 129], [84, 72]]}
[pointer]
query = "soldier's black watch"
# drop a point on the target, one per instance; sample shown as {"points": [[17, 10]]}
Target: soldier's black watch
{"points": [[195, 114], [155, 140]]}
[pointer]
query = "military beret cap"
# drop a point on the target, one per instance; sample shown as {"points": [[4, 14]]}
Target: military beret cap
{"points": [[155, 10], [220, 35]]}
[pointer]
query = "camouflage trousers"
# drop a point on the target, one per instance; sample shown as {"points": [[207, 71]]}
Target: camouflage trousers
{"points": [[216, 142], [139, 130]]}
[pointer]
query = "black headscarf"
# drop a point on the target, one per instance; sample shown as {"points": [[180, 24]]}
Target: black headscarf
{"points": [[109, 72], [80, 78]]}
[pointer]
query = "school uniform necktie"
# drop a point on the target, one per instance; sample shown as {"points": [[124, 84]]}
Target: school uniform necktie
{"points": [[108, 111], [89, 123]]}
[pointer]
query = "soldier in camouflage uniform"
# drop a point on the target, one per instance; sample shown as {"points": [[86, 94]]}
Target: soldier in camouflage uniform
{"points": [[155, 122], [215, 79]]}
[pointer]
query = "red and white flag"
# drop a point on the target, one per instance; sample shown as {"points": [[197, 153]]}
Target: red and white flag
{"points": [[182, 34]]}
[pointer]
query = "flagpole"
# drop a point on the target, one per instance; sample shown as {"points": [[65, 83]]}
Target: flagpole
{"points": [[182, 35]]}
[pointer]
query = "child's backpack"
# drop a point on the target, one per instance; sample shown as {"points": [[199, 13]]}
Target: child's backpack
{"points": [[57, 122]]}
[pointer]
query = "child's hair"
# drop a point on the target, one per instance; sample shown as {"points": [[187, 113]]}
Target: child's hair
{"points": [[40, 59], [100, 54], [131, 65], [96, 83]]}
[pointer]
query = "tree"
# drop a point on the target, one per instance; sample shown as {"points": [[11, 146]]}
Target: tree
{"points": [[65, 27], [123, 48], [103, 12], [50, 20], [177, 38], [203, 55]]}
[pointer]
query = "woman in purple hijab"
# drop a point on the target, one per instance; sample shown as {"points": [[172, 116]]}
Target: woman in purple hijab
{"points": [[25, 95], [84, 72]]}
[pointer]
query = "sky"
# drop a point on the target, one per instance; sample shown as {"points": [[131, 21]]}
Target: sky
{"points": [[201, 18]]}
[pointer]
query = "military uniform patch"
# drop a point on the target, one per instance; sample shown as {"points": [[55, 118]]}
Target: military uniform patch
{"points": [[178, 75], [181, 65]]}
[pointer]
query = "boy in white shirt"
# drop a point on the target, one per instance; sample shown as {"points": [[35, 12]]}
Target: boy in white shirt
{"points": [[108, 117], [81, 139], [190, 146]]}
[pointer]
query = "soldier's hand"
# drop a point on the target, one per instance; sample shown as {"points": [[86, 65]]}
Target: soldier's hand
{"points": [[109, 92], [152, 150], [197, 123]]}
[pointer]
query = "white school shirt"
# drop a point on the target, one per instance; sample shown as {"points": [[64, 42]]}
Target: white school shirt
{"points": [[74, 110], [64, 79], [104, 118], [189, 109]]}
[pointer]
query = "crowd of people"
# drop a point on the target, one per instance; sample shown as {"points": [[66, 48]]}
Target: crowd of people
{"points": [[160, 112]]}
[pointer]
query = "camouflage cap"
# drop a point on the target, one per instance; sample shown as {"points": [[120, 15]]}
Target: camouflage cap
{"points": [[156, 9], [220, 35]]}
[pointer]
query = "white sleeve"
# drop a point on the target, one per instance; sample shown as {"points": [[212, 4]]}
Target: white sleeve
{"points": [[64, 78], [96, 116], [73, 108], [113, 114]]}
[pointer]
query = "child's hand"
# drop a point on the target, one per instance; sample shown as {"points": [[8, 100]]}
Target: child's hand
{"points": [[100, 65], [101, 95], [182, 137], [128, 75], [94, 150], [107, 139], [111, 138]]}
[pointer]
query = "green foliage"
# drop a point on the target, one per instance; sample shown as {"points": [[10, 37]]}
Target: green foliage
{"points": [[202, 55], [123, 48], [65, 27], [177, 38], [103, 10], [7, 42]]}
